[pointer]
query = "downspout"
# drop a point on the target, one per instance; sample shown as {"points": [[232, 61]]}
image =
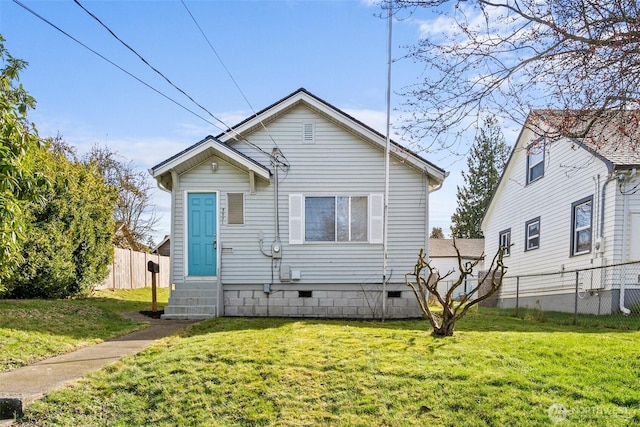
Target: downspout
{"points": [[612, 177], [625, 240], [426, 216], [175, 187], [427, 205]]}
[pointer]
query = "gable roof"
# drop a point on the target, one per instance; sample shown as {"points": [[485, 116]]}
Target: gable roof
{"points": [[221, 145], [602, 134], [339, 117], [443, 248], [201, 151], [166, 240]]}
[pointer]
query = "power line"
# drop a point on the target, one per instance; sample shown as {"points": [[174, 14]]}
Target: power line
{"points": [[148, 64], [228, 128], [34, 13], [215, 52]]}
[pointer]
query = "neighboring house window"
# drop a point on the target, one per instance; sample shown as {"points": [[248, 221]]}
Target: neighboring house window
{"points": [[235, 208], [581, 215], [535, 162], [532, 234], [505, 241], [335, 218]]}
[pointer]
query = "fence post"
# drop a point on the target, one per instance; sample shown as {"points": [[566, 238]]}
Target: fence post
{"points": [[113, 270], [575, 303], [517, 296], [145, 274]]}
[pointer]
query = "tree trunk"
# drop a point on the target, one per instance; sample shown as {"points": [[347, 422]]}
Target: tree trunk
{"points": [[445, 329]]}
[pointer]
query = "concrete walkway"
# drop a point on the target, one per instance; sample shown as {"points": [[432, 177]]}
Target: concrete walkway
{"points": [[20, 387]]}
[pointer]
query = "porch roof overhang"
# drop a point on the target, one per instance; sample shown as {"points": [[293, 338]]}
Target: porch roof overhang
{"points": [[200, 152]]}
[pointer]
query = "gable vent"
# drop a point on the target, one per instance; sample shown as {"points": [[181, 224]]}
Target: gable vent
{"points": [[308, 133]]}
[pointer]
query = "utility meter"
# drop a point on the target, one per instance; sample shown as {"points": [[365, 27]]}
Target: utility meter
{"points": [[276, 250]]}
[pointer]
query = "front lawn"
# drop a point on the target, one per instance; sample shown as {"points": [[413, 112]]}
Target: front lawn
{"points": [[31, 330], [497, 370]]}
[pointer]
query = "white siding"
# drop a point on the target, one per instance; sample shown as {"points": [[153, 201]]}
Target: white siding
{"points": [[570, 174], [337, 163]]}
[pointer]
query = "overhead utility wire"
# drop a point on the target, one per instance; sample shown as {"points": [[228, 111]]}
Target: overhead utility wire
{"points": [[226, 126], [217, 55], [215, 52], [34, 13], [147, 63]]}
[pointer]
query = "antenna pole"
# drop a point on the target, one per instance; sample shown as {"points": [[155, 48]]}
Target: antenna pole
{"points": [[386, 173]]}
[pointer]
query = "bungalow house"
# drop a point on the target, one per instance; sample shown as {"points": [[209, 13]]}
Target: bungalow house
{"points": [[283, 215], [565, 204], [444, 258]]}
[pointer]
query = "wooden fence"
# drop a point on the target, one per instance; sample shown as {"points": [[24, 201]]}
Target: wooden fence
{"points": [[129, 270]]}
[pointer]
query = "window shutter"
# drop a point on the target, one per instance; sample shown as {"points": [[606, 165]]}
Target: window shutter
{"points": [[376, 217], [296, 220]]}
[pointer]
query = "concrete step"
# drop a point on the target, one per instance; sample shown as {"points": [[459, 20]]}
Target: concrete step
{"points": [[194, 293], [192, 301], [195, 285], [186, 316], [191, 309]]}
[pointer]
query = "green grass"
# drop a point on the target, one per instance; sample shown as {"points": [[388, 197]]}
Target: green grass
{"points": [[497, 371], [31, 330]]}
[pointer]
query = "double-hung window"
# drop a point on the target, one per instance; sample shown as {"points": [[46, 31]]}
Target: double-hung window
{"points": [[505, 241], [532, 234], [343, 218], [535, 162], [581, 226]]}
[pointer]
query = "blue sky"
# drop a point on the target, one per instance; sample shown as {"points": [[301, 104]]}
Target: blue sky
{"points": [[335, 49]]}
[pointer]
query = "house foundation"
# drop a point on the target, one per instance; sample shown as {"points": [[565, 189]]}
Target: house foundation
{"points": [[321, 303]]}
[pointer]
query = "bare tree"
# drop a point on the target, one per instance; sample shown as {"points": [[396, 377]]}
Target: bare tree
{"points": [[135, 214], [452, 310], [511, 57]]}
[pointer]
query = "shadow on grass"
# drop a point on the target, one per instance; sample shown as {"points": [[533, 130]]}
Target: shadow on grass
{"points": [[79, 319]]}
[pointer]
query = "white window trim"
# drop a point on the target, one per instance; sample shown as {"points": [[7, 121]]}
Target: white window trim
{"points": [[297, 221]]}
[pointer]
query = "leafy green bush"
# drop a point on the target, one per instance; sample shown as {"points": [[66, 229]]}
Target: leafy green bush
{"points": [[69, 245], [20, 180]]}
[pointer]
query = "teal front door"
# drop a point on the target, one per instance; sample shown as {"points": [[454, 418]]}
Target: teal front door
{"points": [[201, 234]]}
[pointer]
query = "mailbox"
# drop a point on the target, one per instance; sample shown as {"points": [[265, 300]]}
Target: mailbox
{"points": [[153, 267]]}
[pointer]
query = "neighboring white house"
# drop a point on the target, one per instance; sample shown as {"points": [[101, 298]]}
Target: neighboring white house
{"points": [[563, 205], [443, 257], [282, 215]]}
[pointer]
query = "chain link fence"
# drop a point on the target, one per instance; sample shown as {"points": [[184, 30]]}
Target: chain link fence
{"points": [[605, 295]]}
